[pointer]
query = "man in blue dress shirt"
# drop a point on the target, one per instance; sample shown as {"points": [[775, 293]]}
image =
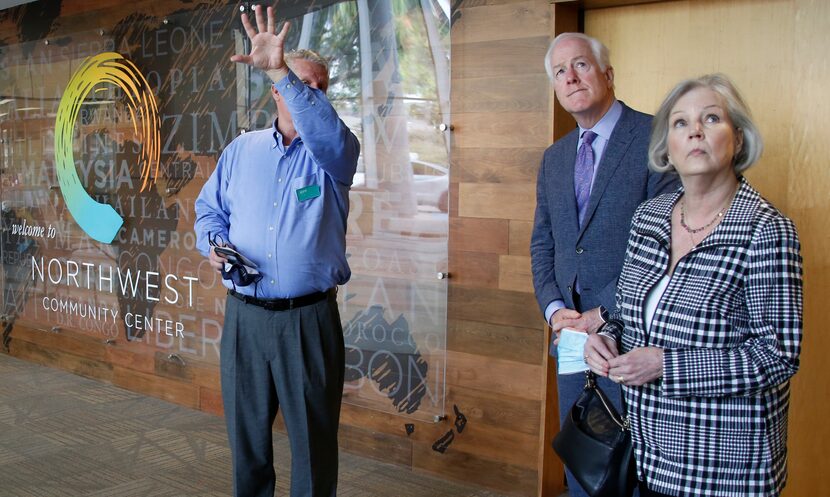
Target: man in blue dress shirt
{"points": [[279, 196]]}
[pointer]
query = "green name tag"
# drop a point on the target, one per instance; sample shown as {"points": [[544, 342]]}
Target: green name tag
{"points": [[308, 192]]}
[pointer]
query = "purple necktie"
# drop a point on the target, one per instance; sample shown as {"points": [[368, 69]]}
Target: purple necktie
{"points": [[584, 173]]}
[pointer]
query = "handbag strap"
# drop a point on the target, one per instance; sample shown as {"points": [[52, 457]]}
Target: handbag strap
{"points": [[591, 383]]}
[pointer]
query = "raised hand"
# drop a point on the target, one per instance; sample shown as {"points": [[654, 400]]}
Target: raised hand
{"points": [[267, 46]]}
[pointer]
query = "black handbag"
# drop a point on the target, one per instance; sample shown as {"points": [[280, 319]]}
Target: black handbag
{"points": [[595, 445]]}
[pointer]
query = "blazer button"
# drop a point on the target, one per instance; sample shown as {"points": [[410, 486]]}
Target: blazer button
{"points": [[569, 289], [579, 250]]}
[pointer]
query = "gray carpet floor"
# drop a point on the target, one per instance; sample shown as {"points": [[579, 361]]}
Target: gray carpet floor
{"points": [[63, 435]]}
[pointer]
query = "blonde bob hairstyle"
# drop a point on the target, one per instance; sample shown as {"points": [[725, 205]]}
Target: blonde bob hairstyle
{"points": [[736, 109]]}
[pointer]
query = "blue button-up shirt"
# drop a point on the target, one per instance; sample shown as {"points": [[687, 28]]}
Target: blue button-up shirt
{"points": [[285, 208]]}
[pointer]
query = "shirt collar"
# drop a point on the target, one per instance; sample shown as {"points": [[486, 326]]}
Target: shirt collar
{"points": [[605, 126], [277, 136]]}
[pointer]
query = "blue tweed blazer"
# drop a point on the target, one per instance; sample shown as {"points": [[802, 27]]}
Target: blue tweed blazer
{"points": [[560, 250]]}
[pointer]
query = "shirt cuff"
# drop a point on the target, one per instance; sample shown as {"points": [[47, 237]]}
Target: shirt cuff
{"points": [[290, 86], [612, 329], [552, 308], [277, 74]]}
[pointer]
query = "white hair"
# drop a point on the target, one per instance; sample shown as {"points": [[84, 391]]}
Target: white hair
{"points": [[306, 54], [598, 49]]}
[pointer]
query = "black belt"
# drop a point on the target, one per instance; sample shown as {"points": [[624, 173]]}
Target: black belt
{"points": [[283, 304]]}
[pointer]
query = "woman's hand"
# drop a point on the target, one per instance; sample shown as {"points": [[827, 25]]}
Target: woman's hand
{"points": [[637, 367], [599, 350]]}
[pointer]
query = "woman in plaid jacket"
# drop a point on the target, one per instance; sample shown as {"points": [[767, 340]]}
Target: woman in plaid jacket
{"points": [[709, 309]]}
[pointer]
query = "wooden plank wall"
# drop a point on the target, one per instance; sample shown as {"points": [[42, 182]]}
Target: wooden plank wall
{"points": [[497, 370], [496, 339], [776, 51]]}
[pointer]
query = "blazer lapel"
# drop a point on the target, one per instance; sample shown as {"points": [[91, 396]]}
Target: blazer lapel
{"points": [[615, 149], [655, 222], [568, 197], [735, 229], [738, 224]]}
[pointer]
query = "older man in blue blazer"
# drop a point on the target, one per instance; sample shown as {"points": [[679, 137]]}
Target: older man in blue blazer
{"points": [[590, 182]]}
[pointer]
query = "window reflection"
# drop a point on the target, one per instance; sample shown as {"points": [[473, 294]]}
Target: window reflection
{"points": [[385, 85], [390, 84]]}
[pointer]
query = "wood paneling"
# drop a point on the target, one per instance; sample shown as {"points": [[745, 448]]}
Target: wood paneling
{"points": [[55, 358], [514, 273], [453, 198], [156, 386], [129, 359], [551, 470], [504, 477], [493, 340], [499, 58], [497, 444], [474, 269], [808, 204], [377, 445], [494, 306], [494, 409], [210, 400], [645, 72], [86, 6], [489, 165], [776, 53], [477, 95], [520, 232], [507, 130], [566, 17], [504, 21], [495, 375], [66, 341], [498, 201], [199, 374], [391, 424], [479, 235]]}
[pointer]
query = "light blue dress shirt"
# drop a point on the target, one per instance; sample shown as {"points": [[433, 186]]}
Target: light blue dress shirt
{"points": [[603, 129], [285, 208]]}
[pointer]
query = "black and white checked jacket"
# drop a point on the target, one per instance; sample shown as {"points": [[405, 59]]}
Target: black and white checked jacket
{"points": [[730, 325]]}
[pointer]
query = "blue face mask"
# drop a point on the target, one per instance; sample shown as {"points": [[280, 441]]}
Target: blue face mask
{"points": [[234, 270], [571, 351]]}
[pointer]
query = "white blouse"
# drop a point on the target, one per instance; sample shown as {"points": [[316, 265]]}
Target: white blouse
{"points": [[653, 298]]}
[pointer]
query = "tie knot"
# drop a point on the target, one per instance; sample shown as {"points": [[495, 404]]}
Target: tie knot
{"points": [[588, 137]]}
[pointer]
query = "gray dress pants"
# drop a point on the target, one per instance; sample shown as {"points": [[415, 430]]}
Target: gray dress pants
{"points": [[293, 359]]}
